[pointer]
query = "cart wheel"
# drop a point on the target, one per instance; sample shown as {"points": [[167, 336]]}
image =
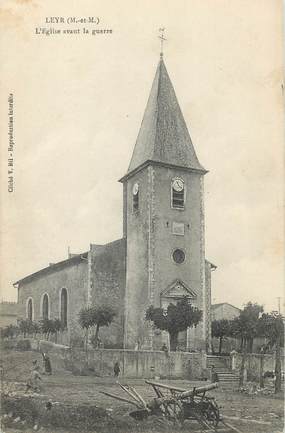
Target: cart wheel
{"points": [[212, 416], [173, 412]]}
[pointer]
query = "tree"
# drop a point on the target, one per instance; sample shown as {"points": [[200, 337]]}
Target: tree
{"points": [[102, 316], [272, 326], [57, 327], [220, 329], [174, 319], [97, 316], [85, 320], [50, 327], [246, 327]]}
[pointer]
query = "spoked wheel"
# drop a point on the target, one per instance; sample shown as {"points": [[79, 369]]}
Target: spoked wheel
{"points": [[211, 415], [173, 412]]}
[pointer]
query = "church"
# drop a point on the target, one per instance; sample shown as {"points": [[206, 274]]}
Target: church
{"points": [[161, 255]]}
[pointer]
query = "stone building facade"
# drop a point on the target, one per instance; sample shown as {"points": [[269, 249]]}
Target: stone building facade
{"points": [[224, 310], [161, 256]]}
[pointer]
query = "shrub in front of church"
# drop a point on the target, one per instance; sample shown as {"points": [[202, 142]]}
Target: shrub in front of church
{"points": [[174, 319], [95, 317], [9, 331], [50, 327]]}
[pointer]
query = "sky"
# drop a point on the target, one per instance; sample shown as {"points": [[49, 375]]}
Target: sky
{"points": [[78, 105]]}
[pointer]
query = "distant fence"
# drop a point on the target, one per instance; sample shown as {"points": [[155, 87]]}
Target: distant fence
{"points": [[252, 364]]}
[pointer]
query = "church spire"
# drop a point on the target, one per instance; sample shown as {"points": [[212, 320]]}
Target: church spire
{"points": [[163, 137]]}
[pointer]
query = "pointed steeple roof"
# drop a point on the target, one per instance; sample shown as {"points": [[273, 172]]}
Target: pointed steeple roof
{"points": [[163, 136]]}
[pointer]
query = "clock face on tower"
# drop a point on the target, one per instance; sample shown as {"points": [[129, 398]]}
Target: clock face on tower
{"points": [[178, 185]]}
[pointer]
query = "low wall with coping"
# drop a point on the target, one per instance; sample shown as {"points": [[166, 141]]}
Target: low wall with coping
{"points": [[133, 363]]}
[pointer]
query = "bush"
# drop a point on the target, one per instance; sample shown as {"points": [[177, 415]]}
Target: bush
{"points": [[9, 331]]}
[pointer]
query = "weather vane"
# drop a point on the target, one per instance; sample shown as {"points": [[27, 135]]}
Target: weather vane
{"points": [[162, 39]]}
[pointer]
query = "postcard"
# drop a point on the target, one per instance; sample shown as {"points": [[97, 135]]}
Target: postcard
{"points": [[142, 215]]}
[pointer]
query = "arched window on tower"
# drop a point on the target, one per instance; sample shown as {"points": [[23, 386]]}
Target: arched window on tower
{"points": [[30, 309], [45, 307], [63, 307]]}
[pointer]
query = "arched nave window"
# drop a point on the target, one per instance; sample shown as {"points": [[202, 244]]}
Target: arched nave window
{"points": [[30, 309], [45, 306], [63, 307]]}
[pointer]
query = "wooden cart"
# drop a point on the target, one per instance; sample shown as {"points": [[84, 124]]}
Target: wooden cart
{"points": [[176, 405]]}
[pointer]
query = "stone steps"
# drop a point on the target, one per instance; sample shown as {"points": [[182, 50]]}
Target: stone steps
{"points": [[226, 378], [228, 381]]}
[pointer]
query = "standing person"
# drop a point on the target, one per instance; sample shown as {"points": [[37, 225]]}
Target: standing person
{"points": [[47, 363], [117, 369], [165, 349]]}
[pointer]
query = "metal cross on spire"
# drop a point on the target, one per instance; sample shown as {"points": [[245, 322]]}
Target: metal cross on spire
{"points": [[162, 39]]}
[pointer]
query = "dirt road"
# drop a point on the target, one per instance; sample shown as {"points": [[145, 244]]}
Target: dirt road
{"points": [[247, 413]]}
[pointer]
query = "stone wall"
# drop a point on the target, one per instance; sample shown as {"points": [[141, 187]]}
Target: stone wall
{"points": [[224, 311], [108, 281], [146, 364], [133, 364]]}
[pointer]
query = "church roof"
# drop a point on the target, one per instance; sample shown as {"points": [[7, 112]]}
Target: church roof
{"points": [[53, 267], [163, 136], [216, 306]]}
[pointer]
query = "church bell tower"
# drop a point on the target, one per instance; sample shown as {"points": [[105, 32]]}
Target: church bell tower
{"points": [[164, 221]]}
